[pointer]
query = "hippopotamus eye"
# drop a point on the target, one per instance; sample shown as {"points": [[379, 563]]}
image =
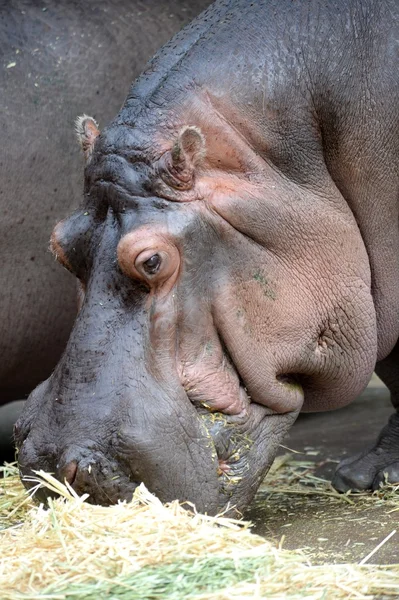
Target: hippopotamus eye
{"points": [[151, 266], [151, 257]]}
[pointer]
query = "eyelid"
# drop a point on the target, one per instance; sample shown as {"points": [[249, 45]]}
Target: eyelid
{"points": [[146, 254]]}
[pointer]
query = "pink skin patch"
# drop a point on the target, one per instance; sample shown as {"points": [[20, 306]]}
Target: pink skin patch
{"points": [[216, 389], [209, 378], [223, 467]]}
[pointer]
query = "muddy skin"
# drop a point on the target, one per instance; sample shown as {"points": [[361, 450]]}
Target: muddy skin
{"points": [[231, 253], [58, 60]]}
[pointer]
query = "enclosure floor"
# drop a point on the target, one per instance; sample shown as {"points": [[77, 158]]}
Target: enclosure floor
{"points": [[331, 530]]}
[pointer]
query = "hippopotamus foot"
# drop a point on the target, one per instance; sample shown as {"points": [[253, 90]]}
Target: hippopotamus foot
{"points": [[9, 414], [375, 466]]}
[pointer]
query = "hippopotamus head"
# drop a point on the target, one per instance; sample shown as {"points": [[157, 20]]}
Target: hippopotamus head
{"points": [[218, 297]]}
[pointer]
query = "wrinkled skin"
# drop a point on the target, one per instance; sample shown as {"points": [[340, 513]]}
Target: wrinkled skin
{"points": [[231, 249], [71, 58]]}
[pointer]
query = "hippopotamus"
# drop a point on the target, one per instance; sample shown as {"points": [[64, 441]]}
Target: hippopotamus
{"points": [[236, 251], [58, 60]]}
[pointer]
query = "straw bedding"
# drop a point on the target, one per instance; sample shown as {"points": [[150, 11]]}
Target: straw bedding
{"points": [[145, 550]]}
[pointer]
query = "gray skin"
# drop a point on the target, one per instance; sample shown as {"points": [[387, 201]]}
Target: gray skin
{"points": [[237, 248], [71, 58]]}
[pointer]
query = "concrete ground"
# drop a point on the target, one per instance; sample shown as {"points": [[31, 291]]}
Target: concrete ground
{"points": [[332, 529]]}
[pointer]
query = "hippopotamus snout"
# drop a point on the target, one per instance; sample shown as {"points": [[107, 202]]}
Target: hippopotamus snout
{"points": [[86, 470], [106, 456], [85, 465], [85, 460]]}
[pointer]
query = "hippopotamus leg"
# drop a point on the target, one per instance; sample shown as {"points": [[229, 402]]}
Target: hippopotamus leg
{"points": [[379, 463], [9, 414]]}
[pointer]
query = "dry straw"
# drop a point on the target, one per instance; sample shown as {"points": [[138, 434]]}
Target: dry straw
{"points": [[144, 550]]}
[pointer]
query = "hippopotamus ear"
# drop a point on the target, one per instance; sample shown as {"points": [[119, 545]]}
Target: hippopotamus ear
{"points": [[87, 131], [187, 151], [189, 147]]}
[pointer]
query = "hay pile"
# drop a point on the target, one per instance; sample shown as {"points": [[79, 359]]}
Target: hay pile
{"points": [[145, 550]]}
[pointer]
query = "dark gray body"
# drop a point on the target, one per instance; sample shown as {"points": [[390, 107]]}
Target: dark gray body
{"points": [[70, 57], [258, 156]]}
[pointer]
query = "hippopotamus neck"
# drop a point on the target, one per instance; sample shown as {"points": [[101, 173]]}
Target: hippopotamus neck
{"points": [[296, 114], [377, 218]]}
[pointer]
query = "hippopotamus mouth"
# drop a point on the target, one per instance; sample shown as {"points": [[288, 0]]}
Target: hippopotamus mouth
{"points": [[111, 471], [225, 473], [203, 329]]}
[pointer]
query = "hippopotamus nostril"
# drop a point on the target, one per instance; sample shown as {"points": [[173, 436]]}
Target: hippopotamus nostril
{"points": [[68, 472], [21, 431]]}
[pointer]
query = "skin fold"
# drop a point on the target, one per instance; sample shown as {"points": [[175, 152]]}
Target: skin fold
{"points": [[229, 252]]}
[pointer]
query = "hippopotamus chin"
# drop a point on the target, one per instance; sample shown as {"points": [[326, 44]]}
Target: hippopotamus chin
{"points": [[226, 248]]}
